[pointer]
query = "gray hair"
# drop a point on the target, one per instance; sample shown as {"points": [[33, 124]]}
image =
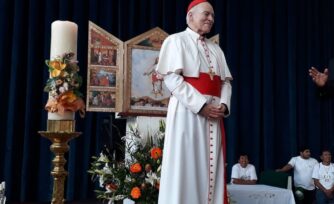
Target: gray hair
{"points": [[193, 9]]}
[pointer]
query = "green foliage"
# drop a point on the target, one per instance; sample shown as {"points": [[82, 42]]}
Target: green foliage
{"points": [[140, 169]]}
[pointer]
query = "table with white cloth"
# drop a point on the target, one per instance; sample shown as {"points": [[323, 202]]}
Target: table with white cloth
{"points": [[259, 194]]}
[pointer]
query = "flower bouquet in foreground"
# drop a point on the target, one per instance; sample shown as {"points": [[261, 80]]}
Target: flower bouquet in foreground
{"points": [[138, 176], [63, 86]]}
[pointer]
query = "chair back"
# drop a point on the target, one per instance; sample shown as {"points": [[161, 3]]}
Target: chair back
{"points": [[273, 178]]}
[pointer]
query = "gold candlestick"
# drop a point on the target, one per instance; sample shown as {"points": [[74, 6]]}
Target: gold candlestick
{"points": [[59, 133]]}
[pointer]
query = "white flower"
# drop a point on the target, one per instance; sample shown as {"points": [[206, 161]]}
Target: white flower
{"points": [[128, 178], [101, 181], [62, 89], [65, 85], [151, 178], [107, 189], [53, 93], [103, 158], [106, 169], [120, 197], [159, 168], [116, 198], [2, 188], [160, 135]]}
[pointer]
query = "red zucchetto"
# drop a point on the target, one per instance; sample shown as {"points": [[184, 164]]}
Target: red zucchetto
{"points": [[194, 3]]}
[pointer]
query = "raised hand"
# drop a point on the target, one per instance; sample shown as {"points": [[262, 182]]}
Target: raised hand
{"points": [[319, 78]]}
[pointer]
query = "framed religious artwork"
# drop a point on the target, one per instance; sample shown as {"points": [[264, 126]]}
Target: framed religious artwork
{"points": [[144, 91], [103, 56], [105, 70], [102, 77], [100, 99], [215, 39]]}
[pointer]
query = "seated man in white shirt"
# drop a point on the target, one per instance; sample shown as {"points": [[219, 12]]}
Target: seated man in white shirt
{"points": [[323, 176], [243, 172]]}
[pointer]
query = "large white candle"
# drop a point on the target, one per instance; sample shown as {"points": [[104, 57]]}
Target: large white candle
{"points": [[64, 36]]}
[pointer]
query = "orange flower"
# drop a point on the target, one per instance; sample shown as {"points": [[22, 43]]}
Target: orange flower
{"points": [[67, 97], [135, 168], [67, 101], [156, 153], [135, 193], [57, 67]]}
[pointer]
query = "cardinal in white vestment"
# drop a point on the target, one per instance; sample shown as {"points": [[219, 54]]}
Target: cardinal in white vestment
{"points": [[195, 71]]}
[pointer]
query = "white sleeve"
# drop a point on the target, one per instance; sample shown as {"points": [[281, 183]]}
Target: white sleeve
{"points": [[226, 93], [184, 92], [235, 173], [292, 161], [171, 57], [315, 173], [253, 175]]}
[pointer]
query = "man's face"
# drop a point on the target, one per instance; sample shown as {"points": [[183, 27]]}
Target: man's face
{"points": [[305, 154], [243, 161], [202, 18], [326, 157]]}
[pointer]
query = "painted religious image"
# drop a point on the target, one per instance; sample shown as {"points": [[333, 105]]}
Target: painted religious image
{"points": [[153, 41], [147, 89], [103, 56], [105, 71], [99, 38], [101, 99], [103, 77]]}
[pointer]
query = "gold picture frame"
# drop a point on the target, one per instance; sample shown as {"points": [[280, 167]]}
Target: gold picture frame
{"points": [[144, 92], [215, 39]]}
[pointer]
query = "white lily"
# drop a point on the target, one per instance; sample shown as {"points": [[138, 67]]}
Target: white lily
{"points": [[103, 158], [151, 178]]}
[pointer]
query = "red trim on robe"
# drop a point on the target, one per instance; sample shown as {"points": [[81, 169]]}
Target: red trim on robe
{"points": [[224, 154]]}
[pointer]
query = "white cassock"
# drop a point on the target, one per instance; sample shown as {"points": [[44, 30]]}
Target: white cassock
{"points": [[193, 165]]}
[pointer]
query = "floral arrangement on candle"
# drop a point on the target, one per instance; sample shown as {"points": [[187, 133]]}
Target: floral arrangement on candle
{"points": [[63, 86], [138, 177]]}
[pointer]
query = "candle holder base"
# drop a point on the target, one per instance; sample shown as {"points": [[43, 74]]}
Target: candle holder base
{"points": [[59, 147]]}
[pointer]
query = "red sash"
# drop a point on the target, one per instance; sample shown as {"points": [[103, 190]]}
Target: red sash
{"points": [[205, 85]]}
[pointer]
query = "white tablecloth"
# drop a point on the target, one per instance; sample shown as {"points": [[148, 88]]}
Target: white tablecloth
{"points": [[259, 194]]}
